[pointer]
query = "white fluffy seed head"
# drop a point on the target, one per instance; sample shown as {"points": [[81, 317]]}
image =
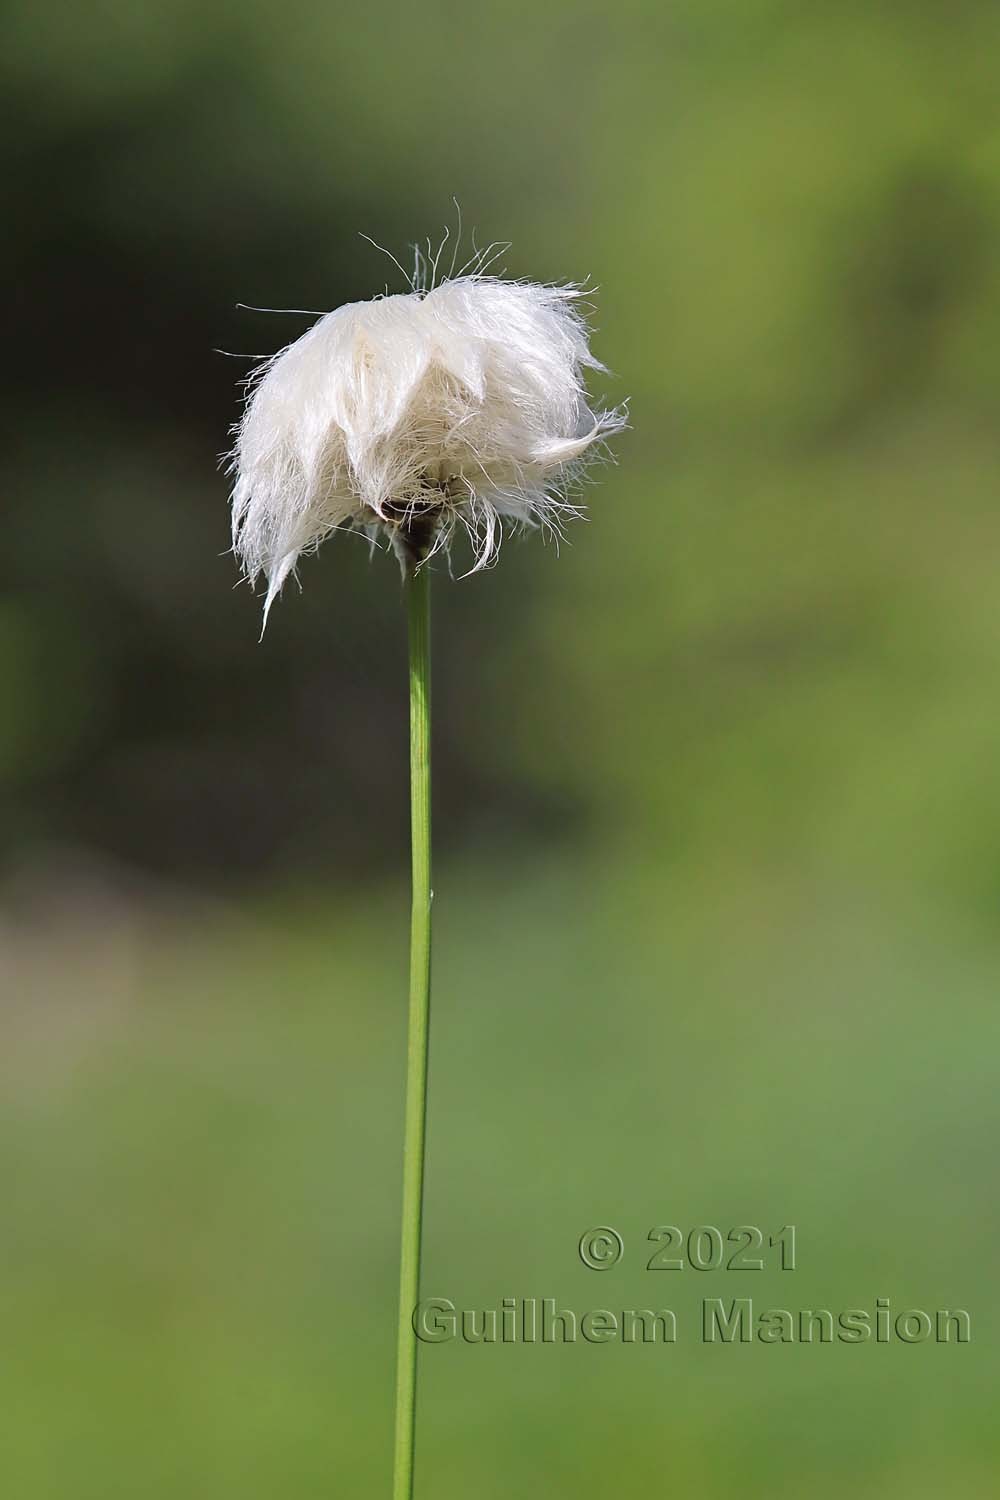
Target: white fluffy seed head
{"points": [[412, 415]]}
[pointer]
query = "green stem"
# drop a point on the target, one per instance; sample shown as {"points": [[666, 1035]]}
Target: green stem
{"points": [[419, 611]]}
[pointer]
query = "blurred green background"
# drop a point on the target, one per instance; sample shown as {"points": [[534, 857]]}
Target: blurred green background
{"points": [[718, 814]]}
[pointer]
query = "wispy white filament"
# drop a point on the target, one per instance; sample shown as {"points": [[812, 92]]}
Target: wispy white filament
{"points": [[463, 405]]}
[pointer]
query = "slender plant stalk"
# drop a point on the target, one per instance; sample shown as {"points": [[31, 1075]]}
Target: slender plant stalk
{"points": [[418, 584]]}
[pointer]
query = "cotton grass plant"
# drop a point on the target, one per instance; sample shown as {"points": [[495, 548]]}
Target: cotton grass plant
{"points": [[457, 407]]}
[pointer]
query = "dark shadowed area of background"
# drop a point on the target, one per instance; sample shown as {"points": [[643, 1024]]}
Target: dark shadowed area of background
{"points": [[717, 802]]}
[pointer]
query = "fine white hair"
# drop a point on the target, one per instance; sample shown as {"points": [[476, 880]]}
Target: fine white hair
{"points": [[412, 415]]}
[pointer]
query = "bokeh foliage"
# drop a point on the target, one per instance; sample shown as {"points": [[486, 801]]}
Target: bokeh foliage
{"points": [[718, 813]]}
